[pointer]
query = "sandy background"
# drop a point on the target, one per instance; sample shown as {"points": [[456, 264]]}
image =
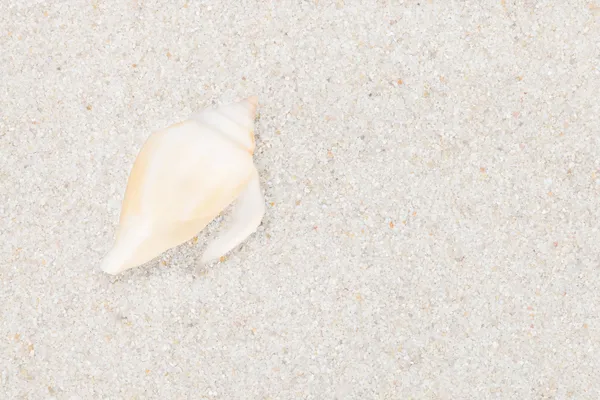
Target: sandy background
{"points": [[432, 177]]}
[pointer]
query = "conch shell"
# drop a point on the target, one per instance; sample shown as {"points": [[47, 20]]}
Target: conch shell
{"points": [[183, 177]]}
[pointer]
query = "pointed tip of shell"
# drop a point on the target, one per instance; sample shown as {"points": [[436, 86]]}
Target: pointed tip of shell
{"points": [[110, 264]]}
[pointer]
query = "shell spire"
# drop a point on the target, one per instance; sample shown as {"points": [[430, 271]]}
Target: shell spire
{"points": [[183, 177]]}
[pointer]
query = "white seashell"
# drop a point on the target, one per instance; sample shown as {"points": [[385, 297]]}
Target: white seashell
{"points": [[183, 177]]}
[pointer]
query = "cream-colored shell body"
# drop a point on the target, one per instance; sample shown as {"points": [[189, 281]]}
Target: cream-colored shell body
{"points": [[183, 177]]}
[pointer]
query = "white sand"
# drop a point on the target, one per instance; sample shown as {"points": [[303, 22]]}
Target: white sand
{"points": [[432, 174]]}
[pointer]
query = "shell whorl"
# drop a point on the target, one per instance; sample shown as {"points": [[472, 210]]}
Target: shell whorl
{"points": [[234, 122]]}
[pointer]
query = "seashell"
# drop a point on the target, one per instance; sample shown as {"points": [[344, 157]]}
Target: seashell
{"points": [[183, 177]]}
